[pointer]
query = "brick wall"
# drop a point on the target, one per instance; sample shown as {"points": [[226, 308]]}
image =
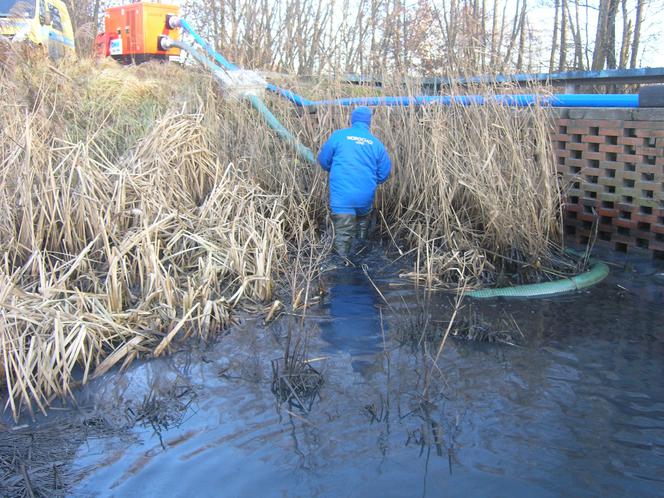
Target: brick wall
{"points": [[613, 162]]}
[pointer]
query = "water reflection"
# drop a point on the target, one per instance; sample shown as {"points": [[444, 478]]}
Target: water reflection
{"points": [[353, 325]]}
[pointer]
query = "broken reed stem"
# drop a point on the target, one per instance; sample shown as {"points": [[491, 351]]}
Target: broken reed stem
{"points": [[441, 346]]}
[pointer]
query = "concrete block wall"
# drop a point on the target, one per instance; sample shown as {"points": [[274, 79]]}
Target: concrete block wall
{"points": [[613, 163]]}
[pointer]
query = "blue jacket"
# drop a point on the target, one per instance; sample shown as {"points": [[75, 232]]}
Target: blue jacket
{"points": [[357, 162]]}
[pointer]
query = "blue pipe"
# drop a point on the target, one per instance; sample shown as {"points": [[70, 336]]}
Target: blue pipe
{"points": [[196, 55], [292, 96], [302, 151], [519, 100], [603, 77], [215, 55], [591, 100]]}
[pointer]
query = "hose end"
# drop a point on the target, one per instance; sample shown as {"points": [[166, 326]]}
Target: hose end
{"points": [[164, 43], [173, 21]]}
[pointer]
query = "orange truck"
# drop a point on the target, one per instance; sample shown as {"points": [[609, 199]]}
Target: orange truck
{"points": [[131, 32]]}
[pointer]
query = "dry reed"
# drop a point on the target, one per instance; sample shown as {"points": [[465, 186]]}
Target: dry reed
{"points": [[138, 208], [121, 229]]}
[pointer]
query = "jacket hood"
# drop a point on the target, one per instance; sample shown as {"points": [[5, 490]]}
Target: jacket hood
{"points": [[361, 115]]}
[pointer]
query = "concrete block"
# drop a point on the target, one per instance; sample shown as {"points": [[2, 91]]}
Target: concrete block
{"points": [[576, 146], [634, 141], [597, 139], [591, 113], [594, 156], [615, 149], [650, 114], [614, 132]]}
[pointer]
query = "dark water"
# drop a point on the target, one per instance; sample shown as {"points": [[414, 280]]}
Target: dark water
{"points": [[576, 410]]}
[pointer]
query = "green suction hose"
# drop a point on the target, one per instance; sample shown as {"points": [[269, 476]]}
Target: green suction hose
{"points": [[271, 120], [598, 272], [302, 151]]}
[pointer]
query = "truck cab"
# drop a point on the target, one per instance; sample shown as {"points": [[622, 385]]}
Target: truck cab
{"points": [[44, 23]]}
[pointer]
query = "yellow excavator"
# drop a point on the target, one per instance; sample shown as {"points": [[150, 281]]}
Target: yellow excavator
{"points": [[44, 23]]}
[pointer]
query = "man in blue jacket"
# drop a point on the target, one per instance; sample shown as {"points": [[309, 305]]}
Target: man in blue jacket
{"points": [[357, 162]]}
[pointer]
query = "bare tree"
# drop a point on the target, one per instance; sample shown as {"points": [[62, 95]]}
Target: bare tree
{"points": [[610, 45], [522, 37], [575, 29], [599, 54], [415, 37], [626, 36], [494, 34], [637, 33], [562, 60], [554, 38]]}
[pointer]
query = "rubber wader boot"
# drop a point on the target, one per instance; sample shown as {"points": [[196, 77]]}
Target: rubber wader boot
{"points": [[363, 223], [344, 230]]}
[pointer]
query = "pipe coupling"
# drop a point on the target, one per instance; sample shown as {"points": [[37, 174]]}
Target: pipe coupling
{"points": [[242, 83], [165, 42], [173, 21]]}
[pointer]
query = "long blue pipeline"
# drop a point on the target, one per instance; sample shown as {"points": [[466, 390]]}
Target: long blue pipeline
{"points": [[518, 100]]}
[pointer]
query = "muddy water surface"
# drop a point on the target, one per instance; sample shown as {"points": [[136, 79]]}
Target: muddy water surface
{"points": [[577, 409]]}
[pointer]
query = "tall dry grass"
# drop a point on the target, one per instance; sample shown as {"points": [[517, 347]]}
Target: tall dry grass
{"points": [[121, 227], [138, 208], [474, 198]]}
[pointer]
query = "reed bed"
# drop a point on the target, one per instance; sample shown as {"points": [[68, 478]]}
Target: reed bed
{"points": [[121, 229], [139, 208], [474, 198]]}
